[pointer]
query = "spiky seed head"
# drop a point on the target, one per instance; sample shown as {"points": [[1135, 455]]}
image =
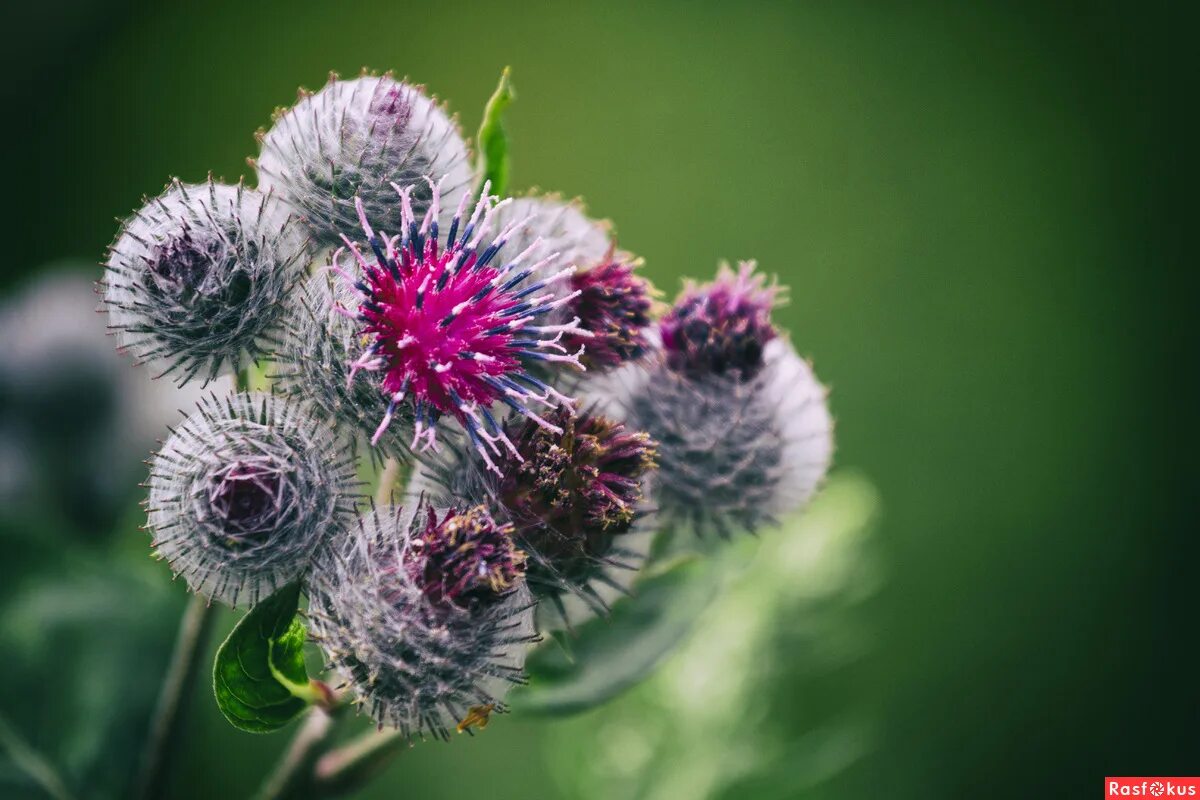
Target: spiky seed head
{"points": [[735, 454], [245, 492], [417, 652], [575, 500], [722, 326], [573, 495], [614, 305], [451, 324], [356, 139], [319, 345], [196, 279]]}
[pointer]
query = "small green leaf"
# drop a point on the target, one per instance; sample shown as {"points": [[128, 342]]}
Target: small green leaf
{"points": [[609, 655], [259, 677], [493, 141]]}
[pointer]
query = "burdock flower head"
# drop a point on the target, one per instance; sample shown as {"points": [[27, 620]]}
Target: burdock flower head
{"points": [[574, 500], [573, 496], [196, 279], [426, 615], [722, 326], [614, 305], [451, 325], [355, 139], [743, 428], [244, 493]]}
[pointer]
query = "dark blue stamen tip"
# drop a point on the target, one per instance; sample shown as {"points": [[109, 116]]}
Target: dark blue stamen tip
{"points": [[488, 254], [513, 281]]}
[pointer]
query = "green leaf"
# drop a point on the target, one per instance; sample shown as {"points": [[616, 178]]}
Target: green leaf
{"points": [[609, 655], [259, 677], [493, 141]]}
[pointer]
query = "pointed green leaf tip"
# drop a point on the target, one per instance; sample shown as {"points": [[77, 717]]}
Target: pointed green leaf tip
{"points": [[493, 141], [259, 677]]}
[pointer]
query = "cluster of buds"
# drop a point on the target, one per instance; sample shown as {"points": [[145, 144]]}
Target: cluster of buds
{"points": [[504, 349]]}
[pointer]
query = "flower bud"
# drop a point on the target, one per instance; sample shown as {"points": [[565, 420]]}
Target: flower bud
{"points": [[196, 278], [743, 428], [425, 615], [574, 499], [363, 138], [244, 493], [613, 304], [721, 326]]}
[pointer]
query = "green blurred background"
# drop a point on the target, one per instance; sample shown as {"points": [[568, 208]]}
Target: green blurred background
{"points": [[980, 212]]}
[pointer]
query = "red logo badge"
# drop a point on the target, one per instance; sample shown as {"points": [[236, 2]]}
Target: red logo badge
{"points": [[1115, 788]]}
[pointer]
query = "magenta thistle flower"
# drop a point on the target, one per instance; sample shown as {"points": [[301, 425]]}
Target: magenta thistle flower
{"points": [[453, 327], [466, 558], [614, 305], [721, 326]]}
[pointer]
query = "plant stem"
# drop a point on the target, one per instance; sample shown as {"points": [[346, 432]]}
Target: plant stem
{"points": [[293, 775], [181, 675], [387, 482], [347, 768], [32, 763]]}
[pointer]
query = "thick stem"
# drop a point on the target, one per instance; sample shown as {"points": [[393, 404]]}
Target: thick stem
{"points": [[181, 676], [349, 767], [293, 775]]}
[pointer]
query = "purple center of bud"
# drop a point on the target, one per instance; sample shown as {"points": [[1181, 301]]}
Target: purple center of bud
{"points": [[451, 325], [181, 264], [570, 495], [467, 558], [614, 304], [388, 115], [721, 326], [249, 496]]}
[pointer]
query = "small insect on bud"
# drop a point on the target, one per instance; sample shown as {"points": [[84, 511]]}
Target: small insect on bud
{"points": [[244, 493], [449, 326], [426, 616], [196, 278], [743, 427], [614, 305], [357, 139], [722, 326]]}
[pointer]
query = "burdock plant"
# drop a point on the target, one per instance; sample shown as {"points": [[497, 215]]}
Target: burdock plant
{"points": [[567, 445]]}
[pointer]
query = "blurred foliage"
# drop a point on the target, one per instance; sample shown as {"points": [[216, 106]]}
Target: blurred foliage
{"points": [[597, 660], [743, 710], [981, 213]]}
